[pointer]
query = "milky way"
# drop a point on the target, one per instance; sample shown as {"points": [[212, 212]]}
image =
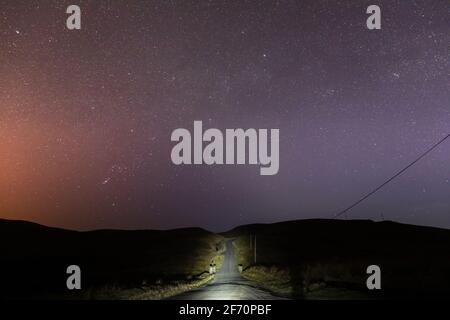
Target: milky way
{"points": [[86, 116]]}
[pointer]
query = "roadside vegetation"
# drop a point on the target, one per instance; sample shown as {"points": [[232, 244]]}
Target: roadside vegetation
{"points": [[148, 291], [140, 264], [327, 259], [189, 274], [305, 259]]}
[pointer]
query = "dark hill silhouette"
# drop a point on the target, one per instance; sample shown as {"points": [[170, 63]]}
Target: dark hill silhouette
{"points": [[34, 258], [415, 260]]}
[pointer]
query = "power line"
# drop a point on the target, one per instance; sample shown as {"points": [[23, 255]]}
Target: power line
{"points": [[392, 178]]}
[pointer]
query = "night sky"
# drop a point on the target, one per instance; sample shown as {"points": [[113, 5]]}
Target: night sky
{"points": [[86, 116]]}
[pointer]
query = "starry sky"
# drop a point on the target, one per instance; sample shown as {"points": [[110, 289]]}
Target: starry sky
{"points": [[86, 116]]}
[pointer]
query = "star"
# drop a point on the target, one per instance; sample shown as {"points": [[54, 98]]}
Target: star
{"points": [[95, 108]]}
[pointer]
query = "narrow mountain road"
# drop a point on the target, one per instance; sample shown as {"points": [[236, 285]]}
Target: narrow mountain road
{"points": [[228, 284]]}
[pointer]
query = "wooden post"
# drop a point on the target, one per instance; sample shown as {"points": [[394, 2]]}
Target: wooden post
{"points": [[255, 248]]}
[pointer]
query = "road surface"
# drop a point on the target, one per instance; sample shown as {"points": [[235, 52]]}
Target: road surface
{"points": [[228, 284]]}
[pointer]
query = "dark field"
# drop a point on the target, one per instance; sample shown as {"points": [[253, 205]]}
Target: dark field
{"points": [[305, 259], [328, 258], [114, 264]]}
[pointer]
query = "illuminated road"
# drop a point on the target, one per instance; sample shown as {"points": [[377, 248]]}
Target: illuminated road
{"points": [[228, 284]]}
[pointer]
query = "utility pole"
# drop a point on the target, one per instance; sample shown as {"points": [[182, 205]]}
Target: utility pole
{"points": [[255, 248]]}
